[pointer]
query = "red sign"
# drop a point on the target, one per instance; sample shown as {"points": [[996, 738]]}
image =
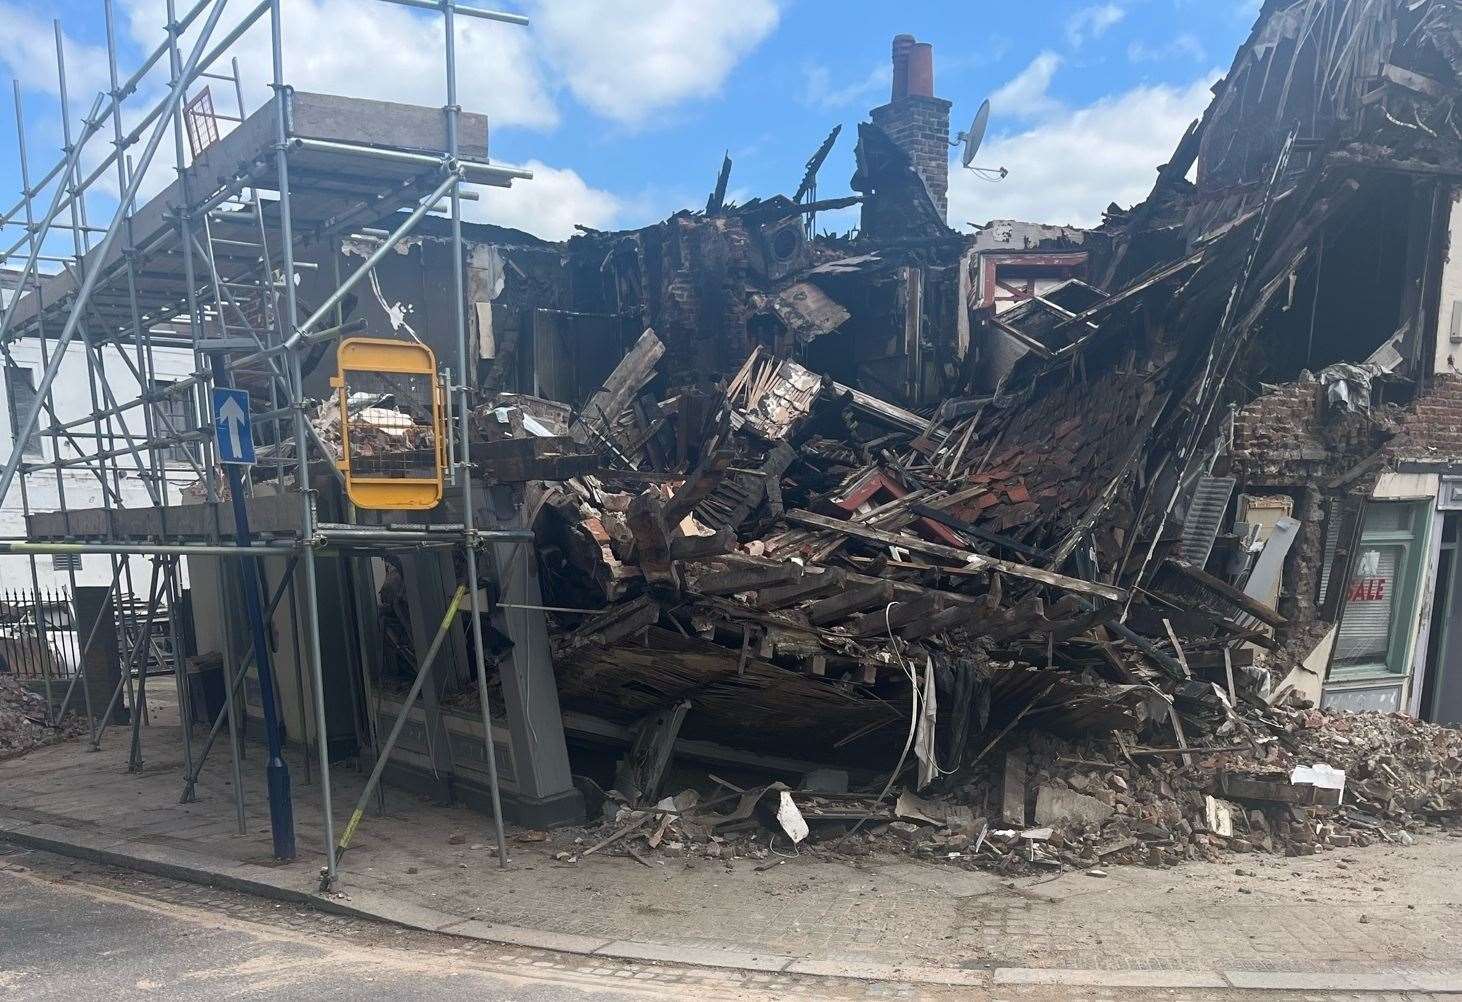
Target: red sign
{"points": [[1367, 590]]}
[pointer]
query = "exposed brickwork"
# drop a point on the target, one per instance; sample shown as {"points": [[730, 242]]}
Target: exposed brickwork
{"points": [[1278, 436], [1431, 430], [1290, 441], [920, 127]]}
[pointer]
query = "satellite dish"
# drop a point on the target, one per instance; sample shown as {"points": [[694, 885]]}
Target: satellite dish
{"points": [[975, 135], [972, 140]]}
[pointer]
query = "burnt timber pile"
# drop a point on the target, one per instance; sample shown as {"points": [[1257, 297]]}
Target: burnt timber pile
{"points": [[811, 513]]}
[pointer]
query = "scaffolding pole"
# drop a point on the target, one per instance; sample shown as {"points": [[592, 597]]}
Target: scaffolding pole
{"points": [[302, 456], [114, 298]]}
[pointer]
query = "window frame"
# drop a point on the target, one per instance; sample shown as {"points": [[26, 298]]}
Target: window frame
{"points": [[1413, 540], [34, 446], [182, 453]]}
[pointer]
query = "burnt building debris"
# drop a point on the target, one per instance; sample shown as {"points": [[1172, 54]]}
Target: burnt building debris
{"points": [[1081, 529], [1110, 480]]}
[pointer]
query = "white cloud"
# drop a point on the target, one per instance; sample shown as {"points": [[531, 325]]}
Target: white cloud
{"points": [[631, 59], [547, 206], [1184, 45], [1092, 22], [1027, 96], [375, 50], [1068, 167], [820, 92], [28, 52]]}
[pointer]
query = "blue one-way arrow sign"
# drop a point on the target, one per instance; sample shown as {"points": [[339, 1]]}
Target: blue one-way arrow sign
{"points": [[231, 426]]}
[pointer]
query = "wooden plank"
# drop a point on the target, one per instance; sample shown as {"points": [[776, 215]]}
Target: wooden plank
{"points": [[1224, 590], [746, 579], [696, 547], [896, 615], [628, 377], [944, 518], [1177, 647], [619, 622], [1012, 789], [856, 599], [1182, 739], [894, 415], [807, 587], [958, 557], [940, 622], [642, 769]]}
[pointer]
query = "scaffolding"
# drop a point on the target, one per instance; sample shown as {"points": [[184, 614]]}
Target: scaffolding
{"points": [[209, 267]]}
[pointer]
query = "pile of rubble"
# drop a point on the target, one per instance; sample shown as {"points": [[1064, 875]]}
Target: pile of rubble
{"points": [[23, 724], [1044, 802], [786, 565], [844, 559]]}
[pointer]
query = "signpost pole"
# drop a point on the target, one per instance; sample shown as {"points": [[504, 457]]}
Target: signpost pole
{"points": [[235, 451]]}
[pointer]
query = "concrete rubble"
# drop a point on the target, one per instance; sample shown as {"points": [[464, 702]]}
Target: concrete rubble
{"points": [[1024, 565], [812, 515], [23, 721]]}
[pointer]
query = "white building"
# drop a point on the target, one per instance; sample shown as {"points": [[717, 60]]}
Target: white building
{"points": [[71, 396]]}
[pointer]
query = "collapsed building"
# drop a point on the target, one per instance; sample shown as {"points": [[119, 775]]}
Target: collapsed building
{"points": [[807, 505]]}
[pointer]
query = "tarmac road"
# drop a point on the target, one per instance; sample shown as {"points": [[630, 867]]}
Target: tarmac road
{"points": [[75, 931]]}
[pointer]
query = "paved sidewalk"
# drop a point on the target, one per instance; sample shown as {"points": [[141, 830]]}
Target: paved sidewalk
{"points": [[1381, 919]]}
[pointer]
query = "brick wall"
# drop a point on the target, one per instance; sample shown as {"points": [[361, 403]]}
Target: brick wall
{"points": [[1278, 435], [1431, 429], [920, 127]]}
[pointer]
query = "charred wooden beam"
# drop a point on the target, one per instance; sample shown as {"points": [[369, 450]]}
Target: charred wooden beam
{"points": [[897, 615], [596, 421], [856, 599], [747, 579], [958, 557], [1227, 592], [620, 622], [700, 485], [696, 547], [646, 520], [807, 587]]}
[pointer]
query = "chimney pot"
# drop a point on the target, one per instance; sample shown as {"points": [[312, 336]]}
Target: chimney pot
{"points": [[901, 46], [921, 70]]}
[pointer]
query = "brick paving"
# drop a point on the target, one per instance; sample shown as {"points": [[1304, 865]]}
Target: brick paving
{"points": [[1356, 911]]}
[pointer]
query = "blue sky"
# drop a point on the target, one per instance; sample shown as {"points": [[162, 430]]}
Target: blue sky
{"points": [[625, 106]]}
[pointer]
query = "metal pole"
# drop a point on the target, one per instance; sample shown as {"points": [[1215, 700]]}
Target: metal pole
{"points": [[144, 640], [79, 243], [20, 441], [281, 809], [33, 231], [465, 370], [191, 779], [27, 424], [454, 176], [302, 460], [422, 672], [96, 741], [20, 547], [118, 95]]}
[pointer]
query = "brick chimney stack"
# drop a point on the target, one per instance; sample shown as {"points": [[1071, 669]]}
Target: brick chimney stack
{"points": [[917, 120]]}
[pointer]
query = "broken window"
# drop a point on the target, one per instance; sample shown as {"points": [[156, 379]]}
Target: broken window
{"points": [[173, 415]]}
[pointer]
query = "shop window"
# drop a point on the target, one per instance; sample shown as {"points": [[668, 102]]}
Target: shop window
{"points": [[1380, 596]]}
